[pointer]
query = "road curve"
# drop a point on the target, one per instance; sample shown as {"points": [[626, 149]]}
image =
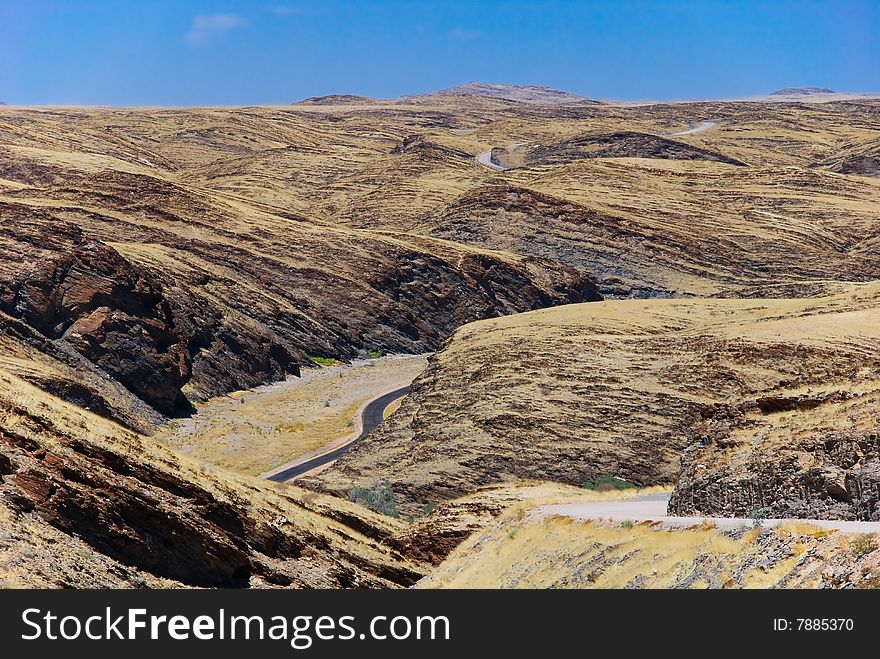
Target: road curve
{"points": [[485, 159], [653, 508], [371, 417], [699, 128]]}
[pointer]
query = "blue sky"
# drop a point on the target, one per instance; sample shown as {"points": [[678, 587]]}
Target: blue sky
{"points": [[202, 52]]}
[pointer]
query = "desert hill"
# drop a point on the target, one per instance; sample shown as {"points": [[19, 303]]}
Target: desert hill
{"points": [[336, 99], [802, 91], [748, 390], [521, 93], [156, 257]]}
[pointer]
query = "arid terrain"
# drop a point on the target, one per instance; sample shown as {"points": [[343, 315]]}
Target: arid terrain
{"points": [[680, 295], [254, 431], [780, 396]]}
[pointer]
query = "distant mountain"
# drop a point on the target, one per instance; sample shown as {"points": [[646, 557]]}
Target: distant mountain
{"points": [[335, 99], [2, 103], [521, 93], [803, 91]]}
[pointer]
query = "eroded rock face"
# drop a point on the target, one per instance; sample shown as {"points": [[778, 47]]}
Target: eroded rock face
{"points": [[81, 292], [133, 503], [832, 477], [623, 144]]}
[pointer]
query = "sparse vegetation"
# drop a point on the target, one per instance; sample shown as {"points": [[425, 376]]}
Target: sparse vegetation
{"points": [[379, 496], [758, 518], [374, 354], [863, 544], [324, 361], [606, 483], [628, 524]]}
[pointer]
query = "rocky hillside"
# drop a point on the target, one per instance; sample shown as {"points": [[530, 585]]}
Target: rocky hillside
{"points": [[86, 503], [748, 391], [249, 286], [154, 257], [810, 447], [624, 144], [83, 295]]}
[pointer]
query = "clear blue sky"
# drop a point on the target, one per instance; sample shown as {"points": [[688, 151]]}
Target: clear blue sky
{"points": [[198, 52]]}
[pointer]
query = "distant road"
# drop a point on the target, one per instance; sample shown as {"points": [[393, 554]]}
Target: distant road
{"points": [[485, 159], [653, 508], [699, 128], [371, 417]]}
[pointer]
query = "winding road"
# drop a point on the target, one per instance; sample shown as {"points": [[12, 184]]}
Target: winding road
{"points": [[485, 159], [371, 416], [653, 508]]}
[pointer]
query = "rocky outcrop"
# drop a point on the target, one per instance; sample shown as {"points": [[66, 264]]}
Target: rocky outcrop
{"points": [[623, 144], [138, 505], [428, 150], [237, 308], [858, 159], [823, 476], [81, 292]]}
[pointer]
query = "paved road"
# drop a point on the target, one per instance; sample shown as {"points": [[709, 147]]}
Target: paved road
{"points": [[485, 159], [699, 128], [371, 417], [653, 508]]}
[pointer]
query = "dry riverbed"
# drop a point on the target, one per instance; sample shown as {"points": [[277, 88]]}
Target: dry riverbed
{"points": [[253, 431]]}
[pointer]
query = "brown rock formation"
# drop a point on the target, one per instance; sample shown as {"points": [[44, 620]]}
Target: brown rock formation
{"points": [[83, 293], [623, 144], [109, 500]]}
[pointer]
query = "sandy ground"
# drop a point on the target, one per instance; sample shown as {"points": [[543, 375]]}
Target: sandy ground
{"points": [[368, 417], [254, 431]]}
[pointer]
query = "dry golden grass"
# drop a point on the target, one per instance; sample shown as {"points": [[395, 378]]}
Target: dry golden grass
{"points": [[518, 550], [392, 408]]}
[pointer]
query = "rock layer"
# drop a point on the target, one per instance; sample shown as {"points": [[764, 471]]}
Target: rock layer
{"points": [[82, 293]]}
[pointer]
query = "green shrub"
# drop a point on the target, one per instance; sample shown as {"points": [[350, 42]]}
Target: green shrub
{"points": [[628, 524], [758, 518], [374, 354], [605, 482], [379, 496], [324, 361], [863, 544]]}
